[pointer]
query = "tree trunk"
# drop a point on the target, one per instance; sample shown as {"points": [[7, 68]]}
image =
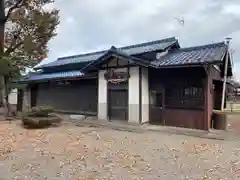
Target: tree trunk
{"points": [[1, 94], [8, 111], [2, 28], [2, 87], [2, 90]]}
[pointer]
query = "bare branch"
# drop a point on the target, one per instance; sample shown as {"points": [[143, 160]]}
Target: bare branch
{"points": [[14, 43], [12, 48], [11, 9]]}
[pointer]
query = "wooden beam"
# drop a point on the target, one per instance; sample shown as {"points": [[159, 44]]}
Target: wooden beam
{"points": [[208, 99]]}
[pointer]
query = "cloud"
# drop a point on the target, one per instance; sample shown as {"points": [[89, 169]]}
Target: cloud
{"points": [[95, 25]]}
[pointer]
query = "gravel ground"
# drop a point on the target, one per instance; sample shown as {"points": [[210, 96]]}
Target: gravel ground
{"points": [[83, 153]]}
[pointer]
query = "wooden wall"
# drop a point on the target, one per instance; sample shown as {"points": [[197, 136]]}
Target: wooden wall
{"points": [[188, 115], [78, 96]]}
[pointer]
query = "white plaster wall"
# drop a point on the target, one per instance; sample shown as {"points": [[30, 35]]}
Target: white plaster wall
{"points": [[133, 94], [12, 97], [145, 96], [102, 96], [121, 70]]}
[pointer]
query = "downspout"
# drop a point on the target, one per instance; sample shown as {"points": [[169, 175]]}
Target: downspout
{"points": [[225, 75]]}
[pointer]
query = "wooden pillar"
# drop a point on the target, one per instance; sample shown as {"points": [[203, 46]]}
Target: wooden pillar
{"points": [[208, 99]]}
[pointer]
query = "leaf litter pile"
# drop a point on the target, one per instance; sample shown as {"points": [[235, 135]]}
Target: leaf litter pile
{"points": [[7, 139], [95, 154]]}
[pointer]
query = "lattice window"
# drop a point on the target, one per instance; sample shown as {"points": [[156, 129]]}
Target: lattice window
{"points": [[185, 94]]}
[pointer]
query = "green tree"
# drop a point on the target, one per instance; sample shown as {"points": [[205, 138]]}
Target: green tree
{"points": [[26, 26]]}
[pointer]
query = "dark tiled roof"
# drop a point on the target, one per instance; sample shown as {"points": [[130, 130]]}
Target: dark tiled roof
{"points": [[193, 55], [129, 50], [117, 53], [47, 76]]}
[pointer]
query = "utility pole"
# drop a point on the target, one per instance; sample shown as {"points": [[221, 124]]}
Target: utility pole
{"points": [[225, 75]]}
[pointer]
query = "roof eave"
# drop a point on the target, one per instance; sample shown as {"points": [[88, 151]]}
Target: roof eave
{"points": [[185, 65], [55, 79], [37, 68], [114, 53]]}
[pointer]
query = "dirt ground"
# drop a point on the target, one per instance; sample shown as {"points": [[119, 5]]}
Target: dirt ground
{"points": [[234, 122], [85, 153]]}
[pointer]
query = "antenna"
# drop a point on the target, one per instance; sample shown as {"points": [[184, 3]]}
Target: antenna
{"points": [[180, 28], [180, 21]]}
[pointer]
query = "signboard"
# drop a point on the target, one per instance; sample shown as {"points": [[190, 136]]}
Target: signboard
{"points": [[61, 83], [116, 77]]}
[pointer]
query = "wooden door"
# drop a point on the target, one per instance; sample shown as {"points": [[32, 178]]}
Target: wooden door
{"points": [[156, 108], [118, 104]]}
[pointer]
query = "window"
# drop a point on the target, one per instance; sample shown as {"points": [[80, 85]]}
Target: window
{"points": [[157, 99], [193, 92], [185, 94]]}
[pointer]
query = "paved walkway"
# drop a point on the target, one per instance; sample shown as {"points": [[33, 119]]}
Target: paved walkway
{"points": [[122, 126], [212, 134]]}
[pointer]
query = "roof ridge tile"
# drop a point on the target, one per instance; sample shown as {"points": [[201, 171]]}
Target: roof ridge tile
{"points": [[212, 45]]}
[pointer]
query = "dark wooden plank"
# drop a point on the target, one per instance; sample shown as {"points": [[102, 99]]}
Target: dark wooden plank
{"points": [[118, 104], [76, 96]]}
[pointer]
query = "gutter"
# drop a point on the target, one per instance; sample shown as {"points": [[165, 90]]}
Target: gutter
{"points": [[53, 79], [187, 65]]}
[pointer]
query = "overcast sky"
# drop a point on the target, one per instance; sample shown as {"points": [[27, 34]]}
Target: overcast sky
{"points": [[96, 25]]}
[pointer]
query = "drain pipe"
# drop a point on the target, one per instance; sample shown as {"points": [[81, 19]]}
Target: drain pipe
{"points": [[225, 75]]}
